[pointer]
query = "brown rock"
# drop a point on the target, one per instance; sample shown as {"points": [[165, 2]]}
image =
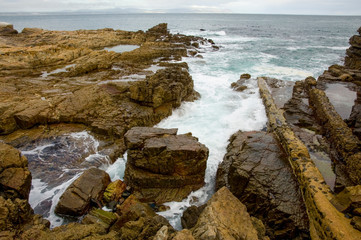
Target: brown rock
{"points": [[131, 210], [349, 199], [225, 217], [245, 76], [15, 178], [185, 234], [89, 187], [164, 167], [252, 159], [190, 216], [114, 191]]}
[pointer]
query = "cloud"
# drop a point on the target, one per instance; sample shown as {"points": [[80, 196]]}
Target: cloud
{"points": [[348, 7]]}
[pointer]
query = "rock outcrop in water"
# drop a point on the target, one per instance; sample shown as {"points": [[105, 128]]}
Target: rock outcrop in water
{"points": [[56, 80], [255, 170], [88, 188], [163, 166]]}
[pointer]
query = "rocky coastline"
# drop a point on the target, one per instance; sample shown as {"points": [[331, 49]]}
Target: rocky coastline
{"points": [[270, 185]]}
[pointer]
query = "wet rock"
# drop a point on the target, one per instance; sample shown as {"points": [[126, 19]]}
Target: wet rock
{"points": [[15, 177], [190, 216], [353, 60], [252, 159], [340, 136], [245, 76], [281, 90], [224, 217], [240, 86], [355, 118], [164, 167], [77, 198], [325, 220]]}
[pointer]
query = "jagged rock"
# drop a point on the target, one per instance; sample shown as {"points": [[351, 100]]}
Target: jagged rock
{"points": [[104, 218], [239, 85], [7, 29], [131, 210], [185, 234], [114, 191], [166, 86], [143, 228], [255, 170], [15, 177], [325, 220], [136, 137], [77, 198], [348, 200], [245, 76], [224, 217], [356, 222], [164, 167], [355, 118], [190, 216], [353, 60]]}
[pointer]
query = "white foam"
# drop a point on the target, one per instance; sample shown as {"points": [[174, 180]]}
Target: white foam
{"points": [[116, 170]]}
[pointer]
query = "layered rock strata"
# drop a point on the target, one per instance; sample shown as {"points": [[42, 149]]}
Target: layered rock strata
{"points": [[255, 169], [163, 166], [325, 220]]}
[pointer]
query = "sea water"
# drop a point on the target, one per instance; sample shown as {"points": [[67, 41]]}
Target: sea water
{"points": [[282, 46]]}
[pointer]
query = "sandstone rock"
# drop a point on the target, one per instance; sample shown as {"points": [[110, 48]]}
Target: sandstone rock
{"points": [[190, 216], [356, 222], [252, 159], [353, 60], [131, 210], [245, 76], [7, 28], [164, 167], [136, 137], [114, 191], [185, 234], [349, 199], [325, 220], [224, 217], [104, 218], [143, 228], [281, 90], [166, 86], [355, 118], [15, 178], [77, 198]]}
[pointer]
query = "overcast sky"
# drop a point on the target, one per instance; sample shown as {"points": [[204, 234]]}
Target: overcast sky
{"points": [[321, 7]]}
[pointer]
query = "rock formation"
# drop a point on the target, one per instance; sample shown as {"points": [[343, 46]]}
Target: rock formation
{"points": [[89, 187], [224, 217], [255, 170], [163, 166]]}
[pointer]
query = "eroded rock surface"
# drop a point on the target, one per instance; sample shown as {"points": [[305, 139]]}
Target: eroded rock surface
{"points": [[255, 169], [163, 166]]}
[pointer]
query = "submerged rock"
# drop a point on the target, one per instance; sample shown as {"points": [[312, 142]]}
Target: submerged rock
{"points": [[255, 169], [77, 198], [224, 217], [162, 166]]}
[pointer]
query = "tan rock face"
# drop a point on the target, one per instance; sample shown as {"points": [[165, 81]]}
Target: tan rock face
{"points": [[76, 199], [225, 217], [15, 177], [163, 167]]}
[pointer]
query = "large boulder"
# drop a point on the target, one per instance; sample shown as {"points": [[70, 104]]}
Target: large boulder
{"points": [[167, 86], [224, 217], [7, 29], [162, 166], [15, 177], [256, 170], [88, 188]]}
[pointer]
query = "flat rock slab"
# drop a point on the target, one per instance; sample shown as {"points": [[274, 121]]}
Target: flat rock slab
{"points": [[76, 199]]}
